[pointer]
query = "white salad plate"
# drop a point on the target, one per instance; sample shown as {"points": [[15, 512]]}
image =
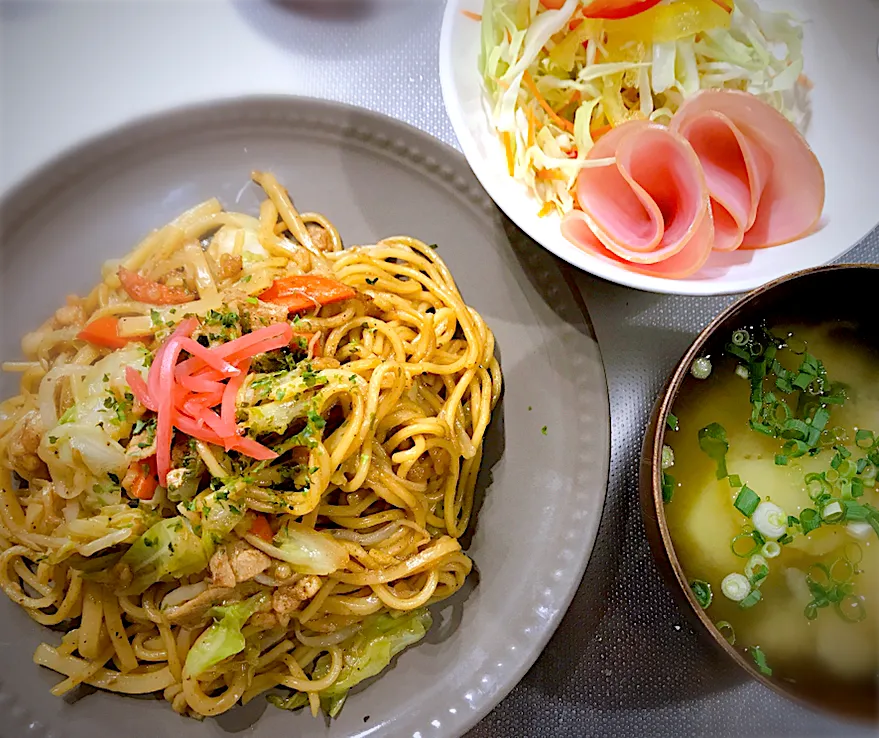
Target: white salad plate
{"points": [[542, 484], [840, 52]]}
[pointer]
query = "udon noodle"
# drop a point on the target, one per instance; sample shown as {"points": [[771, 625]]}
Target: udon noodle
{"points": [[292, 502]]}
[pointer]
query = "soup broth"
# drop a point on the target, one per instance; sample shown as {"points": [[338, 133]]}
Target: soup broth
{"points": [[806, 610]]}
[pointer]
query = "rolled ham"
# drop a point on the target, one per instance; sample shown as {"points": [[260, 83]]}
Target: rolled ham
{"points": [[650, 210], [766, 185]]}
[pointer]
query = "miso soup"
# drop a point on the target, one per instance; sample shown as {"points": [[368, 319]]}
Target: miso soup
{"points": [[773, 505]]}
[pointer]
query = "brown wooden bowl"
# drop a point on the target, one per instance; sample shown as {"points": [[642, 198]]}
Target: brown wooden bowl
{"points": [[848, 292]]}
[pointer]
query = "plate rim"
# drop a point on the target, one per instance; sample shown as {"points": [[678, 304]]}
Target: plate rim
{"points": [[580, 259], [52, 173]]}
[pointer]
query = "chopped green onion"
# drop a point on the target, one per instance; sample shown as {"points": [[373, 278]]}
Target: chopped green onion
{"points": [[831, 475], [851, 608], [770, 520], [795, 448], [726, 630], [752, 599], [855, 511], [833, 512], [780, 460], [864, 438], [785, 539], [746, 501], [861, 465], [668, 487], [794, 428], [702, 592], [770, 549], [701, 368], [853, 552], [734, 480], [792, 521], [847, 469], [672, 422], [713, 441], [668, 457], [857, 488], [760, 660], [816, 486], [735, 587], [742, 371], [737, 548], [741, 337], [758, 537], [810, 520], [756, 569], [841, 571], [820, 418]]}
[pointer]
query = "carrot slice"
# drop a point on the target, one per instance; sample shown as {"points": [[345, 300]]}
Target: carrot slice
{"points": [[105, 332], [260, 527], [471, 15], [300, 292], [144, 485]]}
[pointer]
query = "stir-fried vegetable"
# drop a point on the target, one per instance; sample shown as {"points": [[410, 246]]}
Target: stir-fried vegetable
{"points": [[559, 79], [306, 550], [300, 292], [380, 639], [169, 549], [224, 638]]}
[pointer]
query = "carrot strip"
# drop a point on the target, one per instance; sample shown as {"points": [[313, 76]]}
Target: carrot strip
{"points": [[145, 482], [546, 174], [471, 15], [722, 4], [599, 132], [532, 88], [532, 127], [105, 332], [507, 138], [300, 292], [545, 210]]}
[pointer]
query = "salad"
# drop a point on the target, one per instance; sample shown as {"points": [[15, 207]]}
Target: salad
{"points": [[560, 74]]}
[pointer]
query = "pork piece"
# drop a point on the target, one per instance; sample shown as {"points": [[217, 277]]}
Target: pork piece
{"points": [[287, 599], [24, 442]]}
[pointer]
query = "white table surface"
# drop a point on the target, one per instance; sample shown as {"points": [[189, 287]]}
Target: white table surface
{"points": [[71, 70]]}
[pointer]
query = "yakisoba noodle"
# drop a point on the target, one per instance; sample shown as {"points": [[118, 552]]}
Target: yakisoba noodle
{"points": [[220, 570]]}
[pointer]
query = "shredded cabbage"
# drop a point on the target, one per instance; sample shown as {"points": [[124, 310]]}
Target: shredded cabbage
{"points": [[168, 550], [370, 652], [594, 74], [224, 638]]}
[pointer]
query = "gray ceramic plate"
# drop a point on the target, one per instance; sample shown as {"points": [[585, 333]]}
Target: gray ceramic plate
{"points": [[543, 492]]}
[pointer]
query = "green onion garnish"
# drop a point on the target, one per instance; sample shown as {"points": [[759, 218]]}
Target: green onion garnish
{"points": [[810, 520], [780, 460], [760, 660], [713, 441], [816, 485], [833, 512], [726, 630], [668, 486], [734, 480], [739, 550], [751, 600], [672, 422], [864, 438], [758, 537], [857, 489], [741, 337], [785, 539], [701, 368], [702, 591], [851, 608], [746, 501]]}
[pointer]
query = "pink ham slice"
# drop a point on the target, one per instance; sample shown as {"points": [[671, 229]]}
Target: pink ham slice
{"points": [[649, 212], [766, 185]]}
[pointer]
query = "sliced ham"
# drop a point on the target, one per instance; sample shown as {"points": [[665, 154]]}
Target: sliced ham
{"points": [[766, 185], [650, 210]]}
